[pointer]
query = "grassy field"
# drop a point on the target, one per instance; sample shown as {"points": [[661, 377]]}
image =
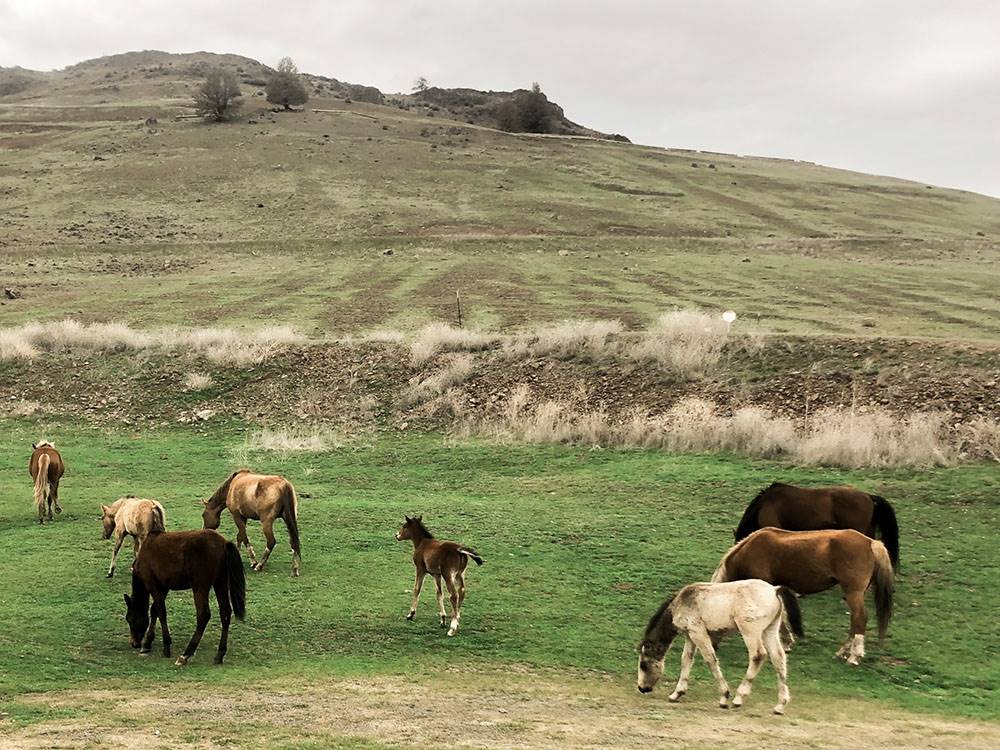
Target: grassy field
{"points": [[581, 546]]}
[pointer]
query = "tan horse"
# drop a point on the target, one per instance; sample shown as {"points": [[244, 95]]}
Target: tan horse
{"points": [[131, 516], [261, 497], [812, 561], [46, 469], [446, 560]]}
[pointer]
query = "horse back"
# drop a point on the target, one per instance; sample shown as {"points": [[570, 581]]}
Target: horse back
{"points": [[793, 508], [177, 560], [258, 495], [56, 467], [441, 557], [806, 561]]}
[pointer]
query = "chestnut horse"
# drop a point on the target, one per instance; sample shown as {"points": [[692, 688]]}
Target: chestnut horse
{"points": [[812, 561], [785, 506], [46, 469], [446, 560], [703, 613], [258, 496], [177, 560]]}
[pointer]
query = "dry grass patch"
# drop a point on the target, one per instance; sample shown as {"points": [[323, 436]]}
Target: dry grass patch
{"points": [[287, 440], [22, 408], [686, 342], [197, 381], [591, 339], [454, 372], [441, 337]]}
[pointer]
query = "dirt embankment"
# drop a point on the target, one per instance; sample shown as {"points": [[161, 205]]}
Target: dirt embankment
{"points": [[349, 384]]}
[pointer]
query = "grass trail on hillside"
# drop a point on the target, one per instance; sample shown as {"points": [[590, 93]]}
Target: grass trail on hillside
{"points": [[580, 546]]}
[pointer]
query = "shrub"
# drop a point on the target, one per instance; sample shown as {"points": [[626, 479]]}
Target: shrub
{"points": [[590, 339], [685, 342], [441, 337], [219, 97], [285, 86]]}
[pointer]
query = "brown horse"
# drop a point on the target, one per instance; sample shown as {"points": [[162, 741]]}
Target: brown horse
{"points": [[785, 506], [176, 560], [262, 497], [46, 469], [812, 561], [446, 560]]}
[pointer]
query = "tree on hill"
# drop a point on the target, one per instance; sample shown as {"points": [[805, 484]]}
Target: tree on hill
{"points": [[219, 96], [285, 87], [420, 85], [527, 112]]}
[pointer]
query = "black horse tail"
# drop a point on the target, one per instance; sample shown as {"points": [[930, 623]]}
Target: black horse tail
{"points": [[883, 584], [290, 512], [468, 552], [237, 581], [159, 520], [884, 519], [790, 600]]}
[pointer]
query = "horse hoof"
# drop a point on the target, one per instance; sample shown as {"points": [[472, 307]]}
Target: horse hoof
{"points": [[181, 661], [411, 615], [218, 659], [58, 509], [111, 574], [675, 697], [144, 652], [779, 710], [451, 633]]}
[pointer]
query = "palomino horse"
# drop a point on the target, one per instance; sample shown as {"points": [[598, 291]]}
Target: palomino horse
{"points": [[703, 613], [46, 469], [262, 497], [812, 508], [812, 561], [446, 560], [134, 517], [176, 560]]}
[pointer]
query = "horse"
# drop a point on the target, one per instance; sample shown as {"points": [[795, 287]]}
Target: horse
{"points": [[46, 469], [812, 561], [704, 613], [446, 560], [261, 497], [131, 516], [785, 506], [176, 560]]}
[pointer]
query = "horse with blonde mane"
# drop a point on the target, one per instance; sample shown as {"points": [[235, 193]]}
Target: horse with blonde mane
{"points": [[131, 516], [812, 561], [46, 469], [261, 497]]}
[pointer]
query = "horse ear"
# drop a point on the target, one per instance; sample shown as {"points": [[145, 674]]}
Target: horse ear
{"points": [[406, 518], [105, 509], [34, 445], [420, 518]]}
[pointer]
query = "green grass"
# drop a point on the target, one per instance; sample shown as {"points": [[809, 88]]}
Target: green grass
{"points": [[580, 547]]}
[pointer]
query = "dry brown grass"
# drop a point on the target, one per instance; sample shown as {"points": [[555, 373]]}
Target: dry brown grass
{"points": [[220, 345], [287, 440], [686, 342], [441, 337], [21, 408], [454, 371], [197, 381], [834, 437], [593, 339]]}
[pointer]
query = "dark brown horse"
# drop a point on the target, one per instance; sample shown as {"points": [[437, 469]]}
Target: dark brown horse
{"points": [[46, 469], [812, 561], [785, 506], [446, 560], [258, 496], [177, 560]]}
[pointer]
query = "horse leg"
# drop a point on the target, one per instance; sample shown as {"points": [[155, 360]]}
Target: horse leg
{"points": [[785, 632], [442, 615], [776, 652], [704, 644], [55, 496], [421, 572], [204, 614], [859, 623], [757, 653], [242, 538], [456, 607], [48, 500], [154, 612], [167, 640], [267, 524], [225, 615], [687, 660], [119, 539], [40, 500]]}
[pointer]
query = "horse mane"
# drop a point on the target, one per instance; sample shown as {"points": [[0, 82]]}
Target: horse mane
{"points": [[656, 621], [748, 523], [423, 529], [44, 444], [719, 576], [219, 496]]}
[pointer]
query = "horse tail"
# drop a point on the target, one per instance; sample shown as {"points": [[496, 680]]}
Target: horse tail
{"points": [[42, 480], [884, 519], [748, 522], [290, 512], [883, 583], [237, 581], [469, 552], [159, 519], [790, 601]]}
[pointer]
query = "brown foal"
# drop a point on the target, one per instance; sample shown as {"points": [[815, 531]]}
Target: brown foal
{"points": [[446, 560]]}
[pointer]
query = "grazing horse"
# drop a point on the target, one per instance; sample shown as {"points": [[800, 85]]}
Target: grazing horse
{"points": [[134, 517], [703, 613], [785, 506], [262, 497], [176, 560], [46, 469], [446, 560], [811, 561]]}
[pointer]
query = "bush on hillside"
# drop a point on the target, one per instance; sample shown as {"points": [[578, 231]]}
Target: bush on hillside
{"points": [[219, 97], [285, 87]]}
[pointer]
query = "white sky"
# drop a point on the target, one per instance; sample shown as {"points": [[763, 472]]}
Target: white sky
{"points": [[909, 88]]}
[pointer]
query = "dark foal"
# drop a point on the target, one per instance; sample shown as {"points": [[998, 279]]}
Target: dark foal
{"points": [[178, 560], [446, 560]]}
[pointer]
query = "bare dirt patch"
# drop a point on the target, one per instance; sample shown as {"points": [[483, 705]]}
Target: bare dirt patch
{"points": [[497, 710]]}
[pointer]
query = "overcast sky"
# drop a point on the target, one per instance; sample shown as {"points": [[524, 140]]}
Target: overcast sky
{"points": [[901, 87]]}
